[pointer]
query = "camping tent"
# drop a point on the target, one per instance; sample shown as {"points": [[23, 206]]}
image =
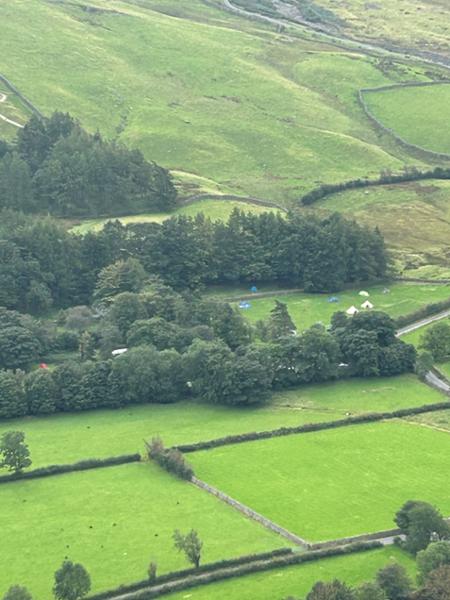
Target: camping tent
{"points": [[244, 304], [367, 305], [364, 293], [352, 311]]}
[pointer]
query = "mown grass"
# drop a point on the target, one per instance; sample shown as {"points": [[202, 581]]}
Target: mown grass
{"points": [[335, 483], [307, 309], [419, 115], [216, 210], [297, 581], [414, 219], [114, 521], [225, 99], [66, 438]]}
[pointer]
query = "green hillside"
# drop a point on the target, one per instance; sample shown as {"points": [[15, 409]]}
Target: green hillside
{"points": [[203, 92]]}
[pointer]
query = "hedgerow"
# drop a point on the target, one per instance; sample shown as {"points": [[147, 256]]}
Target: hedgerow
{"points": [[82, 465]]}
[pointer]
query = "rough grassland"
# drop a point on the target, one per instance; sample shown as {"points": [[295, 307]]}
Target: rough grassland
{"points": [[424, 23], [66, 438], [114, 521], [414, 219], [334, 483], [203, 92], [438, 420], [307, 309], [216, 210], [274, 585], [419, 115]]}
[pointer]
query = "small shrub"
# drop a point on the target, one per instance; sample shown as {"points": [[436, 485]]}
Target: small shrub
{"points": [[170, 459]]}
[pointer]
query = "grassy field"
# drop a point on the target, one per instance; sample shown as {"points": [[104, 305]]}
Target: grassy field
{"points": [[336, 483], [419, 115], [217, 210], [277, 584], [66, 438], [414, 219], [307, 309], [121, 518], [214, 102]]}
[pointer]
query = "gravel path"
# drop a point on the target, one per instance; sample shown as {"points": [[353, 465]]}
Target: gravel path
{"points": [[3, 98]]}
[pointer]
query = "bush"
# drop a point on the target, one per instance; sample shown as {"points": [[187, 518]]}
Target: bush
{"points": [[67, 341], [170, 459]]}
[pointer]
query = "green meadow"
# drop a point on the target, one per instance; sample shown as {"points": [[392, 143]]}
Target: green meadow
{"points": [[293, 581], [419, 115], [204, 92], [307, 309], [121, 518], [216, 210], [66, 438], [335, 483]]}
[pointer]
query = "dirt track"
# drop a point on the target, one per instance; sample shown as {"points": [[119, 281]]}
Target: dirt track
{"points": [[3, 98]]}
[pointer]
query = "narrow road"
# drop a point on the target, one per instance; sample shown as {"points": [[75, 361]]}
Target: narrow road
{"points": [[423, 322], [436, 382], [3, 98]]}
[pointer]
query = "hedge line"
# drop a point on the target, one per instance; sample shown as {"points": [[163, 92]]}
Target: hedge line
{"points": [[175, 575], [82, 465], [310, 427], [326, 190], [245, 569], [428, 310]]}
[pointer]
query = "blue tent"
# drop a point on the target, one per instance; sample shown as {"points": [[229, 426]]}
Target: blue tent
{"points": [[253, 289], [244, 305], [333, 299]]}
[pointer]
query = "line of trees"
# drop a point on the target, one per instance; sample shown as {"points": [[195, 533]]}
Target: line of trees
{"points": [[178, 347], [385, 178], [56, 167], [44, 266]]}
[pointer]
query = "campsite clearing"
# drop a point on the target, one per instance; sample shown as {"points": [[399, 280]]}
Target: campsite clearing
{"points": [[308, 309]]}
